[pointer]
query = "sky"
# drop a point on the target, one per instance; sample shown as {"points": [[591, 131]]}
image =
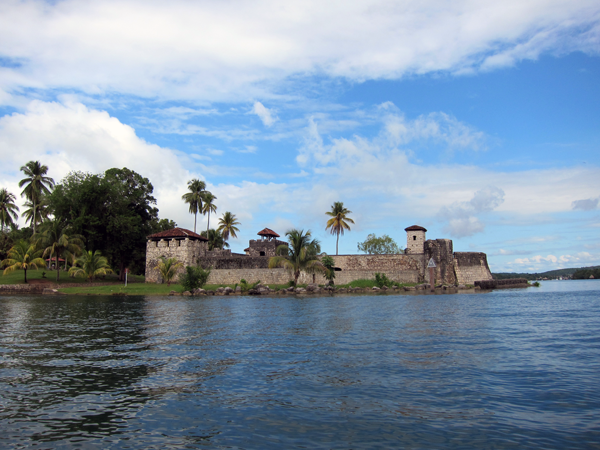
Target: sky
{"points": [[477, 120]]}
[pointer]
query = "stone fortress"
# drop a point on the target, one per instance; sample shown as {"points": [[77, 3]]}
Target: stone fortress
{"points": [[452, 268]]}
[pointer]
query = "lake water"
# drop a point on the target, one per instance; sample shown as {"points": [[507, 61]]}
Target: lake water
{"points": [[515, 368]]}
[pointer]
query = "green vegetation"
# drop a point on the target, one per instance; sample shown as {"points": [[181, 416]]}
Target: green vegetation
{"points": [[38, 274], [194, 197], [8, 210], [209, 206], [245, 286], [551, 274], [227, 226], [339, 221], [92, 265], [23, 256], [36, 185], [383, 245], [193, 278], [215, 239], [329, 264], [168, 268], [299, 256], [382, 280], [57, 243], [586, 272]]}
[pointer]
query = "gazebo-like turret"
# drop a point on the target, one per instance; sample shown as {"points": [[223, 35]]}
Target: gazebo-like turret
{"points": [[268, 234]]}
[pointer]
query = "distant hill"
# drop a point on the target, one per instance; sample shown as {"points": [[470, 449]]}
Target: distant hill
{"points": [[535, 276]]}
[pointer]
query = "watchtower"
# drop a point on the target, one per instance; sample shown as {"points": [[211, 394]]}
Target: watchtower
{"points": [[415, 239]]}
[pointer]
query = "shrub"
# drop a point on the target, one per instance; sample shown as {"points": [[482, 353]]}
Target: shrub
{"points": [[193, 278], [245, 286], [382, 280]]}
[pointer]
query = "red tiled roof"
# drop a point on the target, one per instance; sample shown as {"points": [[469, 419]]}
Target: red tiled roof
{"points": [[415, 228], [177, 233], [268, 232]]}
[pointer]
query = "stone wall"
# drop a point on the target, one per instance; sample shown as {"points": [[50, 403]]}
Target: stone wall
{"points": [[441, 252], [471, 267], [264, 247], [185, 250]]}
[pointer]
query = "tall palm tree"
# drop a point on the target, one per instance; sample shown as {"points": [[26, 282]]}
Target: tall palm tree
{"points": [[194, 197], [339, 221], [23, 256], [42, 211], [168, 268], [227, 225], [58, 243], [209, 206], [8, 209], [299, 256], [35, 184], [92, 265], [215, 239]]}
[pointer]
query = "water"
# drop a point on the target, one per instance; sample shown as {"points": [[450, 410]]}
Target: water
{"points": [[506, 369]]}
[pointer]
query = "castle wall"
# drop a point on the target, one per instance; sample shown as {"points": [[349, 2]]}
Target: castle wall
{"points": [[471, 267], [441, 252], [185, 250]]}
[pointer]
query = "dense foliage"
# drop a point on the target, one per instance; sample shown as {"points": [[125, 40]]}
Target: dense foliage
{"points": [[113, 212], [383, 245], [193, 278], [586, 272]]}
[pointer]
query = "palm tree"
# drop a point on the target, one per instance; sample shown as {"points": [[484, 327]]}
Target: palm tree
{"points": [[299, 256], [23, 256], [8, 209], [208, 206], [58, 243], [339, 221], [194, 197], [215, 239], [168, 268], [92, 265], [36, 184], [227, 225], [42, 211]]}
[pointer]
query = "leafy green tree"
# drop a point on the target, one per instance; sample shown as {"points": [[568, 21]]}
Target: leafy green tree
{"points": [[35, 185], [209, 206], [8, 210], [168, 268], [90, 265], [215, 239], [329, 264], [113, 211], [227, 226], [162, 225], [299, 256], [58, 241], [383, 245], [193, 278], [339, 221], [23, 256], [195, 197]]}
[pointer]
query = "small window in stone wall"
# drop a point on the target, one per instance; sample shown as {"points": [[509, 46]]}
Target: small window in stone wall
{"points": [[262, 253], [414, 238], [167, 241]]}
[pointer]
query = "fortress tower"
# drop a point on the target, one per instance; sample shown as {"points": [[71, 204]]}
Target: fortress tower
{"points": [[415, 239]]}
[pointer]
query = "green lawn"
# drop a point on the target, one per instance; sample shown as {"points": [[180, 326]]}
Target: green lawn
{"points": [[17, 277]]}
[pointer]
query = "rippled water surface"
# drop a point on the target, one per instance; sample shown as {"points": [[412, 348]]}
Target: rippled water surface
{"points": [[506, 369]]}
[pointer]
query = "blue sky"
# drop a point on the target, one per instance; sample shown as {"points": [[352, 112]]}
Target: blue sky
{"points": [[477, 120]]}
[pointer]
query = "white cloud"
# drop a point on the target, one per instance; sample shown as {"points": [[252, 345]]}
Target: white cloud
{"points": [[549, 262], [462, 217], [220, 51], [264, 114]]}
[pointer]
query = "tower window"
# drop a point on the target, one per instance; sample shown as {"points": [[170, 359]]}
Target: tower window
{"points": [[262, 253], [414, 238]]}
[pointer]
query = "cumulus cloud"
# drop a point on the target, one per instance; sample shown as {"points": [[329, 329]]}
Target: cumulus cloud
{"points": [[585, 205], [462, 217], [552, 261], [264, 114], [211, 50]]}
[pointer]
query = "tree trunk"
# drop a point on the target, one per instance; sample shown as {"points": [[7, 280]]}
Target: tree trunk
{"points": [[296, 275], [25, 270], [121, 272], [336, 243], [57, 267], [195, 217], [208, 223], [33, 219]]}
